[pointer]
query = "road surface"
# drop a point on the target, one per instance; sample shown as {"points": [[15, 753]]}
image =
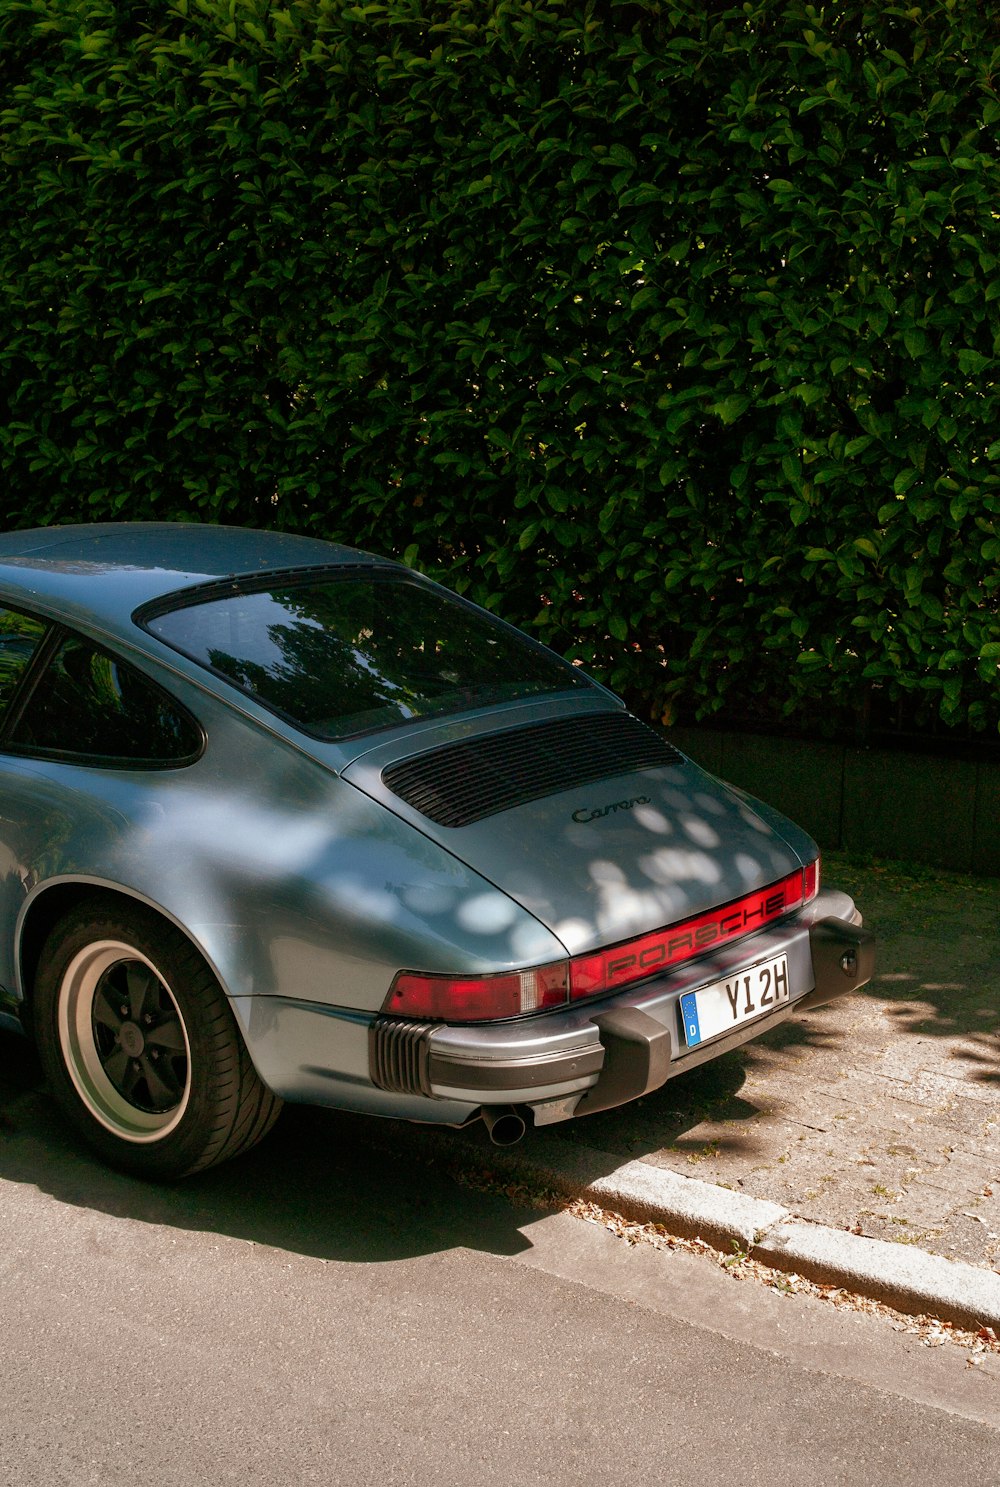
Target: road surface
{"points": [[322, 1312]]}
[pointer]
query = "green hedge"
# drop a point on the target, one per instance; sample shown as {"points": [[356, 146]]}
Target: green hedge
{"points": [[669, 330]]}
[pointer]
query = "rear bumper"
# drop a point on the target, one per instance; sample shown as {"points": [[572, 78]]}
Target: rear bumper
{"points": [[641, 1054], [598, 1055]]}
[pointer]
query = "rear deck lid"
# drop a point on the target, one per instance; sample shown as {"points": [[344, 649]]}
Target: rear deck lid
{"points": [[591, 821]]}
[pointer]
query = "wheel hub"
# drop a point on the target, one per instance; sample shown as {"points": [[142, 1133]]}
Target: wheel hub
{"points": [[131, 1039]]}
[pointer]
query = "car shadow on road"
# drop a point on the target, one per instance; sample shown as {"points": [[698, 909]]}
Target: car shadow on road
{"points": [[330, 1184], [311, 1187]]}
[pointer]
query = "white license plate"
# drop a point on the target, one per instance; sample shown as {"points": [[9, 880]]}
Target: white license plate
{"points": [[739, 998]]}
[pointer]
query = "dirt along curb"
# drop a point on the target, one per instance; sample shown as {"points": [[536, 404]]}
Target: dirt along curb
{"points": [[906, 1278]]}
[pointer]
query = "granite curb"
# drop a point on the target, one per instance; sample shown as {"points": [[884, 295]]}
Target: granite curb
{"points": [[901, 1276]]}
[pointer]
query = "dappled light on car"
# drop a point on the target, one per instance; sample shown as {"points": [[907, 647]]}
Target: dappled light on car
{"points": [[751, 819], [652, 819], [747, 867], [621, 902], [700, 832], [709, 805], [486, 913], [676, 866]]}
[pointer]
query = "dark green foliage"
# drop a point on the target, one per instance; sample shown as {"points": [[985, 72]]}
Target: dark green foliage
{"points": [[668, 329]]}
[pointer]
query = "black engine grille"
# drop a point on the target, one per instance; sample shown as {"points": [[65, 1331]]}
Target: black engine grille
{"points": [[465, 782]]}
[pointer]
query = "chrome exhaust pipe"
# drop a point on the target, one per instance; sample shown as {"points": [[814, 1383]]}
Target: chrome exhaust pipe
{"points": [[505, 1125]]}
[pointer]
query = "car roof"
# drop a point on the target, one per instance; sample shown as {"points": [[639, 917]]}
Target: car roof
{"points": [[99, 574]]}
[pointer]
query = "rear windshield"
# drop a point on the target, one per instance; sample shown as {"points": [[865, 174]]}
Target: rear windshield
{"points": [[351, 653]]}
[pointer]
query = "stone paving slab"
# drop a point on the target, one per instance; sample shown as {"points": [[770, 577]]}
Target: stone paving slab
{"points": [[878, 1115]]}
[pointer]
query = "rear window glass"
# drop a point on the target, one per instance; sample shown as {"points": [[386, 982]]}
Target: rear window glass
{"points": [[341, 655]]}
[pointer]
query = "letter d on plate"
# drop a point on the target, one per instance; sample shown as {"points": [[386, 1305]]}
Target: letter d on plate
{"points": [[689, 1012]]}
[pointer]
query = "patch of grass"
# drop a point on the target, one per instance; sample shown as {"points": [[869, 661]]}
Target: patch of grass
{"points": [[897, 875]]}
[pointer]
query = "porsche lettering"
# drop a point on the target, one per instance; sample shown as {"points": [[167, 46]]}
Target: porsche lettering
{"points": [[694, 937]]}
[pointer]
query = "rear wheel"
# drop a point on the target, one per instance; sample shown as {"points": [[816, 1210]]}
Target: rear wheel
{"points": [[140, 1046]]}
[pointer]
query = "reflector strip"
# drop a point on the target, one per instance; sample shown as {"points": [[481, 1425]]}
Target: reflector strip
{"points": [[589, 975]]}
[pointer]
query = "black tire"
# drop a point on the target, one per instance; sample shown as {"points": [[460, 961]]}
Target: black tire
{"points": [[140, 1046]]}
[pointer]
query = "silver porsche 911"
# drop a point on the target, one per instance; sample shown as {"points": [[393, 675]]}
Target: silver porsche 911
{"points": [[280, 820]]}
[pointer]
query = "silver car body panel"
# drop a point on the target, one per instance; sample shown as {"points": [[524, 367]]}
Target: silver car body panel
{"points": [[319, 1056], [290, 881]]}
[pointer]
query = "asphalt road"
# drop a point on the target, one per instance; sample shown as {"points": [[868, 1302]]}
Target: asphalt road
{"points": [[323, 1312]]}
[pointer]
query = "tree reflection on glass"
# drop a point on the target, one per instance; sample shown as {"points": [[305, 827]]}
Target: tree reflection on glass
{"points": [[345, 655], [19, 638]]}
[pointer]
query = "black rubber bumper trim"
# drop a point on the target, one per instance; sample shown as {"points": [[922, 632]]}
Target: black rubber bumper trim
{"points": [[496, 1076], [637, 1058], [397, 1055], [843, 957], [638, 1049]]}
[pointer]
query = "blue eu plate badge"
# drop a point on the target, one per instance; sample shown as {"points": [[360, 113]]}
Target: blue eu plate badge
{"points": [[689, 1012]]}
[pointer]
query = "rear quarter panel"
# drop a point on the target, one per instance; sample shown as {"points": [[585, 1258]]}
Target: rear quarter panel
{"points": [[291, 882]]}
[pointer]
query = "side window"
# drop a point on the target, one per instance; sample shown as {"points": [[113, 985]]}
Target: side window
{"points": [[20, 636], [88, 704]]}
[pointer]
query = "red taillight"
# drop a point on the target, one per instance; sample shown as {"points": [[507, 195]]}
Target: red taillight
{"points": [[477, 998], [513, 993]]}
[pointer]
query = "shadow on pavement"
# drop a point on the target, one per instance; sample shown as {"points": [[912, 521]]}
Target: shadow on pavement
{"points": [[947, 1010], [311, 1187], [712, 1095]]}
